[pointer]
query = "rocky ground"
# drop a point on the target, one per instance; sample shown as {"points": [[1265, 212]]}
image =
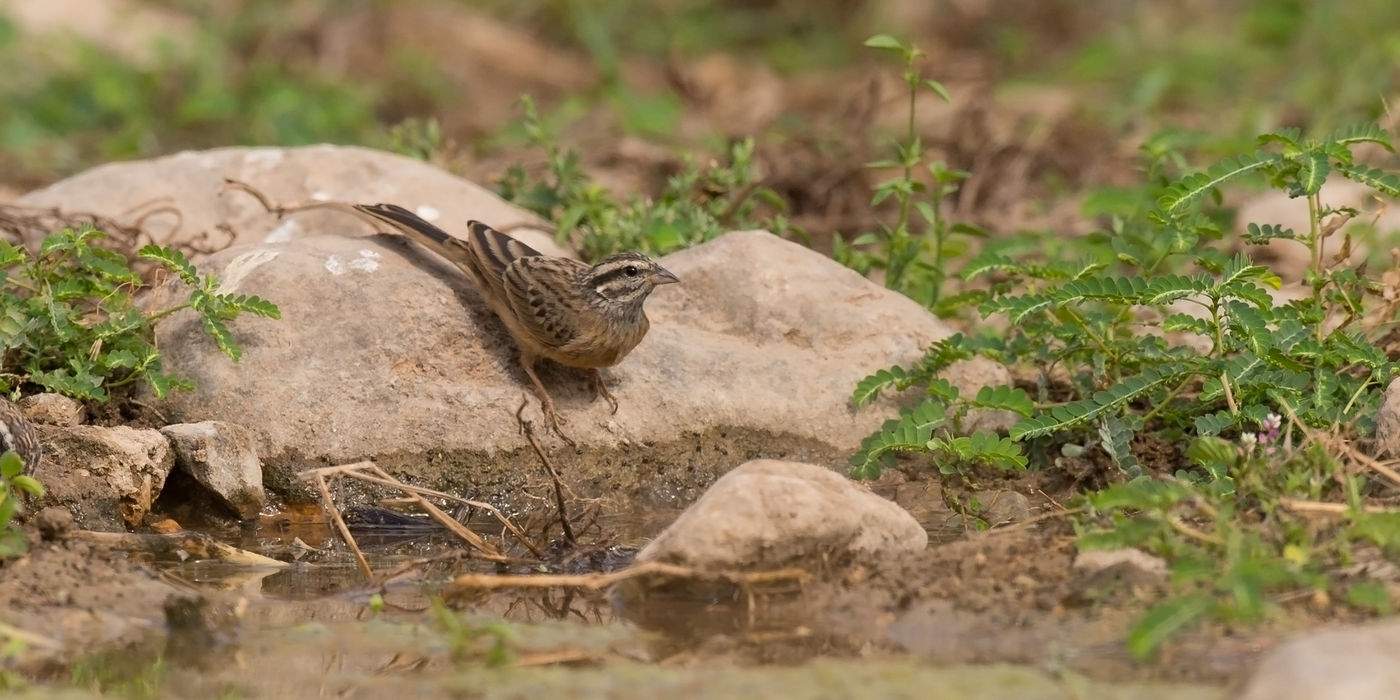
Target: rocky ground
{"points": [[383, 353]]}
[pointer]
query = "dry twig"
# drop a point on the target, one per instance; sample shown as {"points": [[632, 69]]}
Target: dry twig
{"points": [[595, 582]]}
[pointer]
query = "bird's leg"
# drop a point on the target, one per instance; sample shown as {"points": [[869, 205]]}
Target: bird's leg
{"points": [[546, 404], [602, 388]]}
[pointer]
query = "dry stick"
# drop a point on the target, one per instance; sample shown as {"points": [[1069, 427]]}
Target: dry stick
{"points": [[526, 427], [482, 546], [282, 210], [486, 550], [595, 582], [1023, 524], [188, 542], [1374, 464], [33, 639], [329, 504], [1301, 506], [350, 471]]}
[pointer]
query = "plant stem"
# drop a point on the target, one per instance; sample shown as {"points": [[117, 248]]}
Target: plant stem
{"points": [[162, 314]]}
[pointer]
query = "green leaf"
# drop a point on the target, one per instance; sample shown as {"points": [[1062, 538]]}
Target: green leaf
{"points": [[937, 88], [1006, 398], [1164, 620], [1080, 412], [10, 465], [1192, 188], [1370, 595], [255, 305], [884, 41], [982, 447], [1365, 132], [172, 259], [869, 389], [1207, 450], [1258, 235], [1375, 178], [910, 433], [1116, 438], [1211, 424], [222, 337], [29, 485], [987, 262], [1314, 171]]}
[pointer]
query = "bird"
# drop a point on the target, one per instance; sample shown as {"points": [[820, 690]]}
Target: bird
{"points": [[18, 434], [578, 315]]}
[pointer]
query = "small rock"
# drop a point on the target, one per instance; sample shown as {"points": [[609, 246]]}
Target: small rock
{"points": [[1100, 571], [1093, 560], [222, 458], [1388, 422], [108, 477], [770, 513], [53, 409], [54, 522], [1348, 663], [1005, 507]]}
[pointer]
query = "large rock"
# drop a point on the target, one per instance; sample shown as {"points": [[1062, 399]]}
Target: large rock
{"points": [[767, 514], [193, 183], [108, 477], [385, 352], [1348, 663]]}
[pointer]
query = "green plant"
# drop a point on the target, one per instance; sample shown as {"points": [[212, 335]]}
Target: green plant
{"points": [[13, 482], [934, 424], [695, 205], [130, 673], [913, 252], [69, 322], [489, 641], [1108, 344]]}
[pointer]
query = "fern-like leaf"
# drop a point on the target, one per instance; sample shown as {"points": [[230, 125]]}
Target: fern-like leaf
{"points": [[223, 337], [988, 262], [910, 433], [1364, 132], [1017, 309], [1113, 289], [1314, 171], [1169, 288], [1375, 178], [1101, 403], [172, 259], [1214, 423], [982, 447], [1192, 188], [1183, 322], [1258, 234], [1116, 438], [869, 389], [1005, 398]]}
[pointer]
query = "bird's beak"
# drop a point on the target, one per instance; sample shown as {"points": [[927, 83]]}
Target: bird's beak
{"points": [[663, 276]]}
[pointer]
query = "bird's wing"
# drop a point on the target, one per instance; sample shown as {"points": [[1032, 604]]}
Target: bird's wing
{"points": [[543, 293]]}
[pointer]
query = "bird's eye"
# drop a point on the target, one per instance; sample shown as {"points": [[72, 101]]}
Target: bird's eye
{"points": [[630, 270]]}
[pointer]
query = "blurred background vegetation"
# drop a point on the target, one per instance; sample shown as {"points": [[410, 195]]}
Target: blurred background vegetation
{"points": [[1052, 99]]}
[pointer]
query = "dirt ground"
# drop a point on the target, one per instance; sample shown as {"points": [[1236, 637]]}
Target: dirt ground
{"points": [[1009, 595]]}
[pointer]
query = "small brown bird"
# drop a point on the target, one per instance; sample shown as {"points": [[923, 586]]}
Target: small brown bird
{"points": [[578, 315], [18, 434]]}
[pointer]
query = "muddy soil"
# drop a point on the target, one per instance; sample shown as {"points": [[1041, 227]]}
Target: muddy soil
{"points": [[974, 600]]}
